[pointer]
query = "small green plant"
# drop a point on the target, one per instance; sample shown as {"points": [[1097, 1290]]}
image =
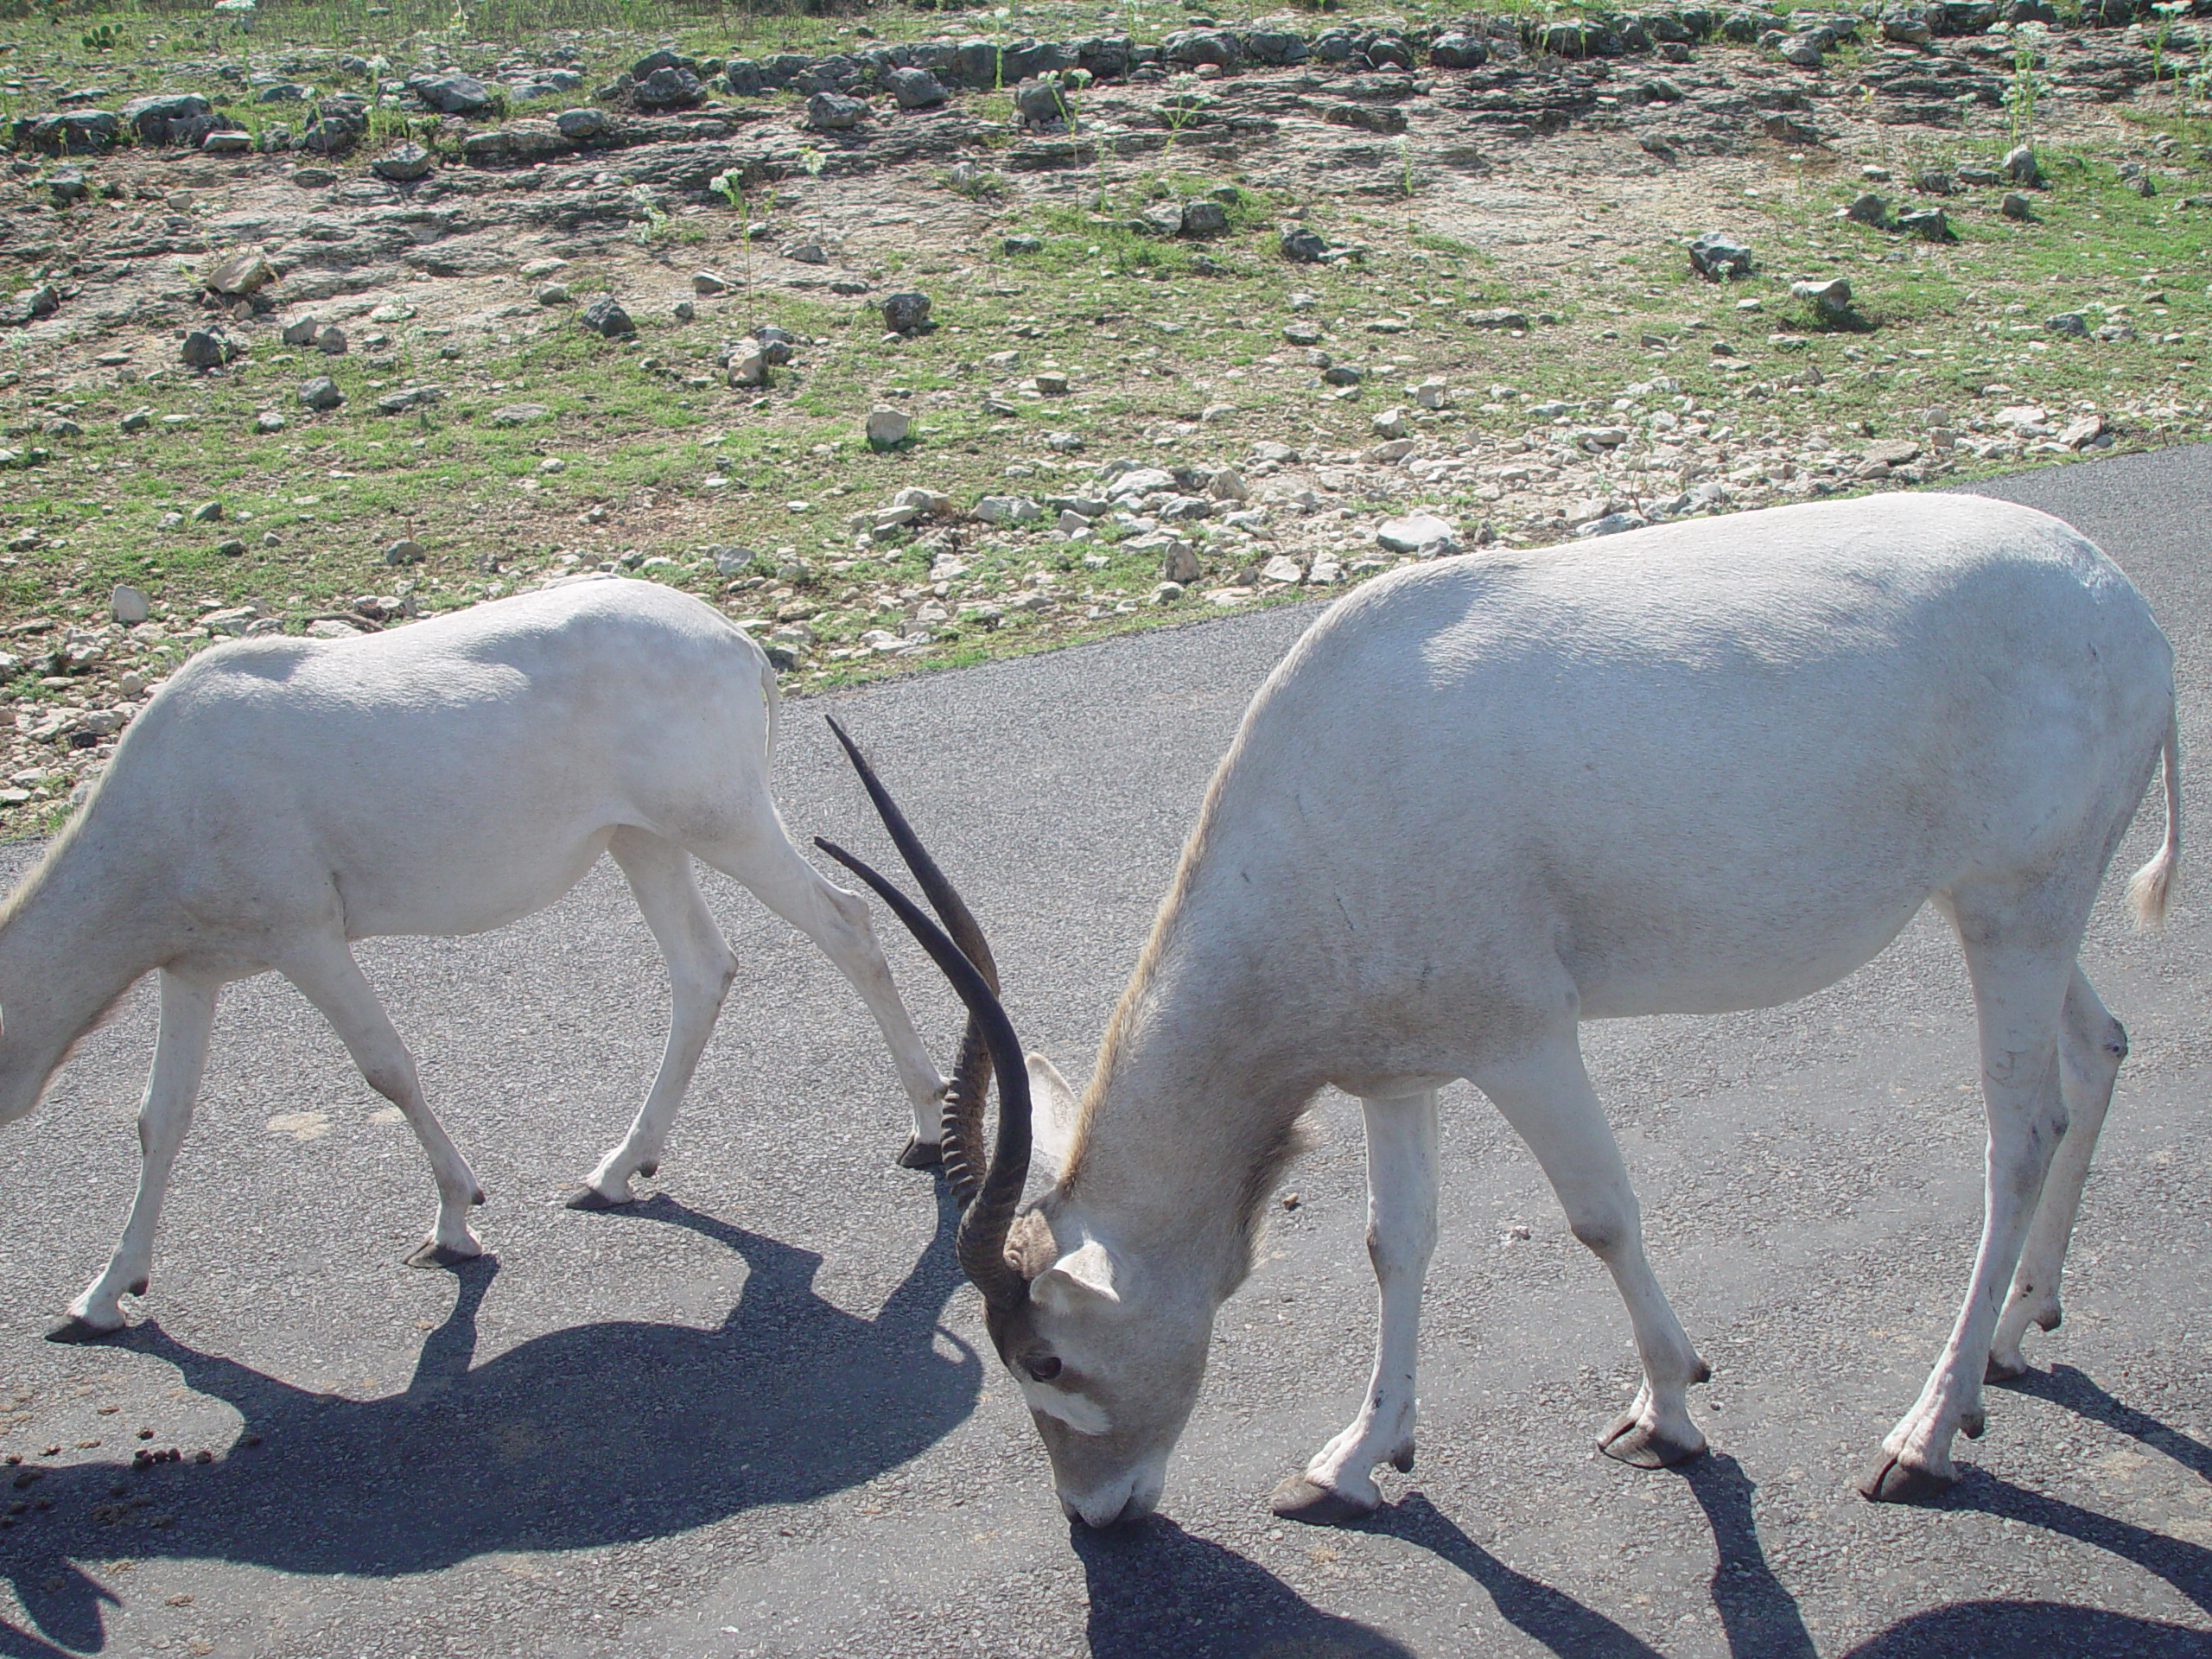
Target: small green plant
{"points": [[2167, 11], [1182, 103], [101, 37], [731, 187], [652, 220], [2028, 82]]}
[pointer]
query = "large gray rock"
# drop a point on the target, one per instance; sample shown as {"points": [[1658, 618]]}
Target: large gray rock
{"points": [[889, 427], [243, 272], [1186, 48], [29, 306], [1831, 298], [1419, 532], [404, 164], [452, 94], [1928, 224], [1042, 104], [1716, 255], [149, 118], [209, 348], [906, 313], [399, 402], [835, 113], [915, 89], [670, 87], [322, 393], [71, 132], [1204, 216], [605, 316]]}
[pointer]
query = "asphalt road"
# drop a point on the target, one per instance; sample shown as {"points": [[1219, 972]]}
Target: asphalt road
{"points": [[748, 1415]]}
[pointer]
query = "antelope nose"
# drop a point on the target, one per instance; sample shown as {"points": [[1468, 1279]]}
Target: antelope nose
{"points": [[1107, 1511]]}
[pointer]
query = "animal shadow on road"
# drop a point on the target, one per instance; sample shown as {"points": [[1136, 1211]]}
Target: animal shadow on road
{"points": [[1547, 1616], [2063, 1385], [596, 1434], [1156, 1590]]}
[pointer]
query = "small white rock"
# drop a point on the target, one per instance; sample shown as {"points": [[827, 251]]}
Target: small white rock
{"points": [[887, 428]]}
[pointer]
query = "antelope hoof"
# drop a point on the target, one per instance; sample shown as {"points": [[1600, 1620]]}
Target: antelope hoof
{"points": [[920, 1155], [1303, 1499], [591, 1198], [2003, 1370], [476, 1197], [78, 1329], [1892, 1482], [431, 1254], [1640, 1446]]}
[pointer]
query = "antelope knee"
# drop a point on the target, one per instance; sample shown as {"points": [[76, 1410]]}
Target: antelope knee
{"points": [[1604, 1225]]}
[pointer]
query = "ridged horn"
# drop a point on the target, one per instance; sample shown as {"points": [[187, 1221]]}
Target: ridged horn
{"points": [[964, 1097], [981, 1244]]}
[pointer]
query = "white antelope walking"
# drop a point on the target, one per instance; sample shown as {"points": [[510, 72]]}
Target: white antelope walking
{"points": [[279, 798], [1706, 767]]}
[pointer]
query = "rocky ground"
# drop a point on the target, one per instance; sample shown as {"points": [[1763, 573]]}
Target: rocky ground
{"points": [[307, 341]]}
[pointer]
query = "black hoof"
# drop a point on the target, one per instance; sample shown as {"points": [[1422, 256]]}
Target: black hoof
{"points": [[1993, 1372], [76, 1329], [1891, 1482], [1630, 1442], [920, 1155], [1403, 1459], [648, 1171], [429, 1254], [1299, 1498], [1703, 1374], [592, 1199], [477, 1197]]}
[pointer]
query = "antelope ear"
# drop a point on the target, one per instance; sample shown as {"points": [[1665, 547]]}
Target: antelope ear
{"points": [[1052, 1113], [1083, 1274]]}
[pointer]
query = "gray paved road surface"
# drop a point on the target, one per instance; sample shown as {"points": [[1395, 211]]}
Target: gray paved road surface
{"points": [[748, 1416]]}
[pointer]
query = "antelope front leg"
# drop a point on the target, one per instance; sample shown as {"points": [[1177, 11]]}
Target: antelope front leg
{"points": [[1548, 1101], [1339, 1483], [179, 1058], [328, 976], [700, 969]]}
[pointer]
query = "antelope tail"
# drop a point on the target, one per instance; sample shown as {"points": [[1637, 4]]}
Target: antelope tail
{"points": [[2152, 888]]}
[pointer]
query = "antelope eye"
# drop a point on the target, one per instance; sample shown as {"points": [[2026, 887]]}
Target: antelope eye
{"points": [[1042, 1367]]}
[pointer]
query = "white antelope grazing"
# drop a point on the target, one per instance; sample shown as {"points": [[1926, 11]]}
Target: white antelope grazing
{"points": [[1699, 768], [282, 797]]}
